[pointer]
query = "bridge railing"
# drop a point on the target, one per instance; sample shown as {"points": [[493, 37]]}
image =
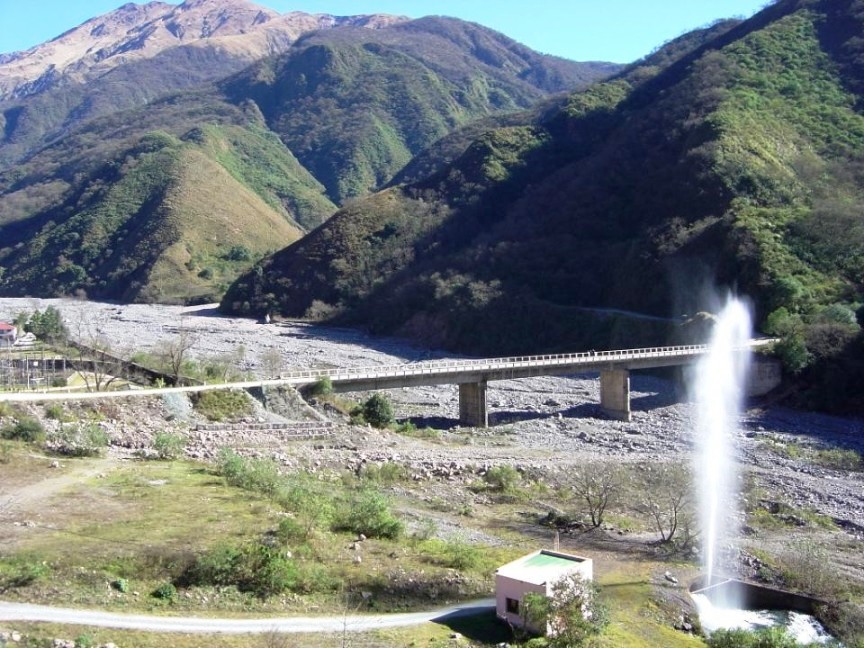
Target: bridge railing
{"points": [[512, 362]]}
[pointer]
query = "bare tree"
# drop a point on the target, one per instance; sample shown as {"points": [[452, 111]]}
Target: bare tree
{"points": [[272, 363], [176, 351], [598, 486], [90, 353], [664, 493]]}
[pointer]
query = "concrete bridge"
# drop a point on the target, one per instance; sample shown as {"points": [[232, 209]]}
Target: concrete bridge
{"points": [[472, 376]]}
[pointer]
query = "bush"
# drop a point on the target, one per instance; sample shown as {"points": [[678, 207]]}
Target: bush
{"points": [[321, 387], [26, 429], [388, 472], [256, 568], [169, 445], [368, 512], [79, 440], [456, 554], [256, 475], [54, 411], [378, 411], [165, 592], [762, 638], [502, 478]]}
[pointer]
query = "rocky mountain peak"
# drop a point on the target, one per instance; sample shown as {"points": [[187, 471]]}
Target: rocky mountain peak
{"points": [[133, 32]]}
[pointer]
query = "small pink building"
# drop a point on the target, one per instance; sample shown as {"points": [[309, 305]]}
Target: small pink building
{"points": [[535, 573], [8, 334]]}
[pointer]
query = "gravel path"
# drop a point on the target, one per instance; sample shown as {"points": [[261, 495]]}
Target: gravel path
{"points": [[199, 625]]}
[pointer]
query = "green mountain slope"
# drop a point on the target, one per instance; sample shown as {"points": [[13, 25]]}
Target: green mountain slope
{"points": [[356, 105], [165, 220], [336, 117], [731, 158]]}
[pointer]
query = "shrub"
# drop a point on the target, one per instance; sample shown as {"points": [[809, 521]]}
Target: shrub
{"points": [[165, 592], [26, 429], [169, 445], [368, 512], [502, 478], [79, 440], [388, 472], [762, 638], [573, 609], [321, 387], [455, 554], [54, 411], [121, 585], [311, 503], [378, 411], [256, 475], [255, 567]]}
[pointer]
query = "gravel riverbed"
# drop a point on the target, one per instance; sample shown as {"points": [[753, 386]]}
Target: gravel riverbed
{"points": [[549, 423]]}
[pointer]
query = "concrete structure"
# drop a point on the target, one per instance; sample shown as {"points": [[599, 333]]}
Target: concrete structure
{"points": [[615, 393], [8, 334], [535, 573], [766, 374], [472, 376]]}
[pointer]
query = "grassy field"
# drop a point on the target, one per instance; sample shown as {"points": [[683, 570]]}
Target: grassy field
{"points": [[103, 520]]}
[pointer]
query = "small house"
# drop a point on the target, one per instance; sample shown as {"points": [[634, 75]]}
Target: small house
{"points": [[535, 573], [8, 334]]}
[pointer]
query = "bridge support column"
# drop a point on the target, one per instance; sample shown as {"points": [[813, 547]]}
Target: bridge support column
{"points": [[472, 405], [615, 393]]}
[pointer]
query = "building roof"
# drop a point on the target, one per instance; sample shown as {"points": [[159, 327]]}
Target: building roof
{"points": [[541, 566], [6, 327]]}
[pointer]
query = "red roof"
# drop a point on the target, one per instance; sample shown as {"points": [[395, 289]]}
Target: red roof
{"points": [[6, 327]]}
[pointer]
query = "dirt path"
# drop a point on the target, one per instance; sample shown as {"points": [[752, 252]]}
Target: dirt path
{"points": [[339, 623], [27, 497]]}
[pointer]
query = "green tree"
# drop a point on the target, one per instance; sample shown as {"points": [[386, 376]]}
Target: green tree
{"points": [[47, 325], [378, 411], [572, 614]]}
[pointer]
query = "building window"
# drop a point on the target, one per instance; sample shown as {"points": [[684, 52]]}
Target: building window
{"points": [[512, 605]]}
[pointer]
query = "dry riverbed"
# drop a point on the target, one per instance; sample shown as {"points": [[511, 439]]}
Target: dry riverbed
{"points": [[543, 426]]}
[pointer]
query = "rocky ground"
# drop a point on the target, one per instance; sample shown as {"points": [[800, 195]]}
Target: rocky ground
{"points": [[539, 423]]}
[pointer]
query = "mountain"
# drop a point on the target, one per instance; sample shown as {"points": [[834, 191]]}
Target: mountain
{"points": [[137, 53], [333, 117], [732, 157]]}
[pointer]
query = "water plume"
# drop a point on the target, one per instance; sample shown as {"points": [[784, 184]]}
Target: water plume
{"points": [[720, 379]]}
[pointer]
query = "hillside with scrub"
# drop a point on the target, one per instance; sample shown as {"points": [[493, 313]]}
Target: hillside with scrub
{"points": [[732, 157], [147, 200]]}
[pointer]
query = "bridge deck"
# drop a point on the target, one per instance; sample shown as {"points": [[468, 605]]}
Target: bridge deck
{"points": [[436, 372]]}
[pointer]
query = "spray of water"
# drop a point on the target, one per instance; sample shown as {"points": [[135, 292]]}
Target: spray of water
{"points": [[719, 390]]}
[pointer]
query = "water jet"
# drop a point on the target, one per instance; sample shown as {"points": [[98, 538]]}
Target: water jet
{"points": [[719, 388]]}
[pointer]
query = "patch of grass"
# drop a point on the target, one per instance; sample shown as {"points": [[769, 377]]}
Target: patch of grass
{"points": [[388, 472], [835, 458], [456, 554], [223, 404], [627, 591], [778, 515]]}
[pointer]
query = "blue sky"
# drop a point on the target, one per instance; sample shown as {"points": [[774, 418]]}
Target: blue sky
{"points": [[608, 30]]}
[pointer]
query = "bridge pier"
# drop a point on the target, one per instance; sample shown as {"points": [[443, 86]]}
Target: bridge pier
{"points": [[615, 393], [472, 404]]}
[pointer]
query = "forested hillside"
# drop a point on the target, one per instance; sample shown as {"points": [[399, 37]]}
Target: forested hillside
{"points": [[732, 158], [169, 201]]}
